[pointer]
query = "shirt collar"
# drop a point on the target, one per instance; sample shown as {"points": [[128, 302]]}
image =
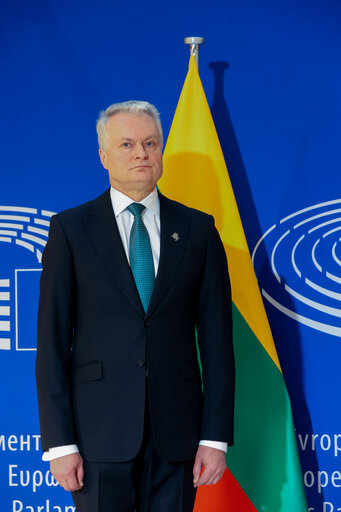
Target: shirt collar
{"points": [[120, 202]]}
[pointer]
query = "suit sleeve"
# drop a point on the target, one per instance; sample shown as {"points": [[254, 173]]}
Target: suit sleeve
{"points": [[214, 328], [55, 332]]}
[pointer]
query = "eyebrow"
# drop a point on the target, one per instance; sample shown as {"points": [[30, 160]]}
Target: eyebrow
{"points": [[153, 136]]}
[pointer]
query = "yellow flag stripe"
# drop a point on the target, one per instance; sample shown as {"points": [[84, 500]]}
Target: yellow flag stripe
{"points": [[195, 174]]}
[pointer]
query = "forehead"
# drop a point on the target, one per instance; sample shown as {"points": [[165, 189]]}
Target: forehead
{"points": [[125, 124]]}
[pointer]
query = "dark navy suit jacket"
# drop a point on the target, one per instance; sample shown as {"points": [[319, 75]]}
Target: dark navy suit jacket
{"points": [[95, 341]]}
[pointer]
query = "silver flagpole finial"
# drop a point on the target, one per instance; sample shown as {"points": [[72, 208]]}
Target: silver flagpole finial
{"points": [[194, 45]]}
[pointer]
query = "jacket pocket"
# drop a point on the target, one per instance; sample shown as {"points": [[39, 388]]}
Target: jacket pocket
{"points": [[190, 370], [87, 373]]}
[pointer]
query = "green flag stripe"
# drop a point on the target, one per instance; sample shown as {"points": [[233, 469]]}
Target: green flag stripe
{"points": [[264, 459]]}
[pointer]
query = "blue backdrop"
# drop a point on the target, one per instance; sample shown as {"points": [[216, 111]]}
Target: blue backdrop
{"points": [[272, 77]]}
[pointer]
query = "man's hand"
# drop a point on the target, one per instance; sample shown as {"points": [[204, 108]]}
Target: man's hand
{"points": [[68, 471], [214, 464]]}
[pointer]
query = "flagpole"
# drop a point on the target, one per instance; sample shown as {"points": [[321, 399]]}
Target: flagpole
{"points": [[194, 45]]}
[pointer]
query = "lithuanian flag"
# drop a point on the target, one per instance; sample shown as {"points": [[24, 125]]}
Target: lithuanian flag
{"points": [[264, 471]]}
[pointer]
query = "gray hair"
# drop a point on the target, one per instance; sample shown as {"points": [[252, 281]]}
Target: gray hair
{"points": [[131, 107]]}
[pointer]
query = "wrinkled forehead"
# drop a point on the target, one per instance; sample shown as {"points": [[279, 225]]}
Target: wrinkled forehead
{"points": [[125, 123]]}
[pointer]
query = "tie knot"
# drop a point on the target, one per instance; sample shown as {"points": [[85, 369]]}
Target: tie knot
{"points": [[136, 209]]}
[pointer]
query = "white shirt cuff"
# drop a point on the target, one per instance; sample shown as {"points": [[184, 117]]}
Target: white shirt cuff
{"points": [[218, 445], [60, 451]]}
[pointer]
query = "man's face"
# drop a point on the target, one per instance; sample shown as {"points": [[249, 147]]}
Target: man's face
{"points": [[132, 153]]}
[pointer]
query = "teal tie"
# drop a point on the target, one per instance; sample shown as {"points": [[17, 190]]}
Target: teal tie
{"points": [[140, 255]]}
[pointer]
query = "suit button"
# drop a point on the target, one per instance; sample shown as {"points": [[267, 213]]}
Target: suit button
{"points": [[140, 363], [147, 323]]}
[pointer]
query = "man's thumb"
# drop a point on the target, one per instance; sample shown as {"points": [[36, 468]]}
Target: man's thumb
{"points": [[196, 471], [80, 474]]}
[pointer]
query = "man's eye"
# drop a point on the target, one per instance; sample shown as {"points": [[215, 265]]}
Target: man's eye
{"points": [[126, 145], [150, 144]]}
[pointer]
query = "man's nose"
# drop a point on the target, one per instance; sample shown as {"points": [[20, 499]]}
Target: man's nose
{"points": [[140, 151]]}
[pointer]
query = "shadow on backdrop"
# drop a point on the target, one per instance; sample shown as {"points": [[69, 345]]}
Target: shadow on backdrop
{"points": [[290, 354]]}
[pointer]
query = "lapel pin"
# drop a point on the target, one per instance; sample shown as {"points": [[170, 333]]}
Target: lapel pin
{"points": [[175, 237]]}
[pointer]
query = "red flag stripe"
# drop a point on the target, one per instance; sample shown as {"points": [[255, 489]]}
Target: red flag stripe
{"points": [[225, 496]]}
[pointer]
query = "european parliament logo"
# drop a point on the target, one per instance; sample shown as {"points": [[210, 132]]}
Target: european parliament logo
{"points": [[298, 265], [23, 236]]}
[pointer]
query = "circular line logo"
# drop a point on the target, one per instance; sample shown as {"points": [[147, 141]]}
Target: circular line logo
{"points": [[302, 279], [27, 228]]}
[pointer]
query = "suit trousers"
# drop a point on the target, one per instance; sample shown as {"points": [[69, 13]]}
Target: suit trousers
{"points": [[144, 484]]}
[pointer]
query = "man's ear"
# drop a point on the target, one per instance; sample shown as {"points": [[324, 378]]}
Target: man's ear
{"points": [[103, 157]]}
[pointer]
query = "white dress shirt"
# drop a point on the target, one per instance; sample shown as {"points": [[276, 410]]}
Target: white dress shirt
{"points": [[125, 219]]}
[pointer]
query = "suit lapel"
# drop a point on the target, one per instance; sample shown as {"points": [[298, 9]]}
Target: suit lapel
{"points": [[171, 249], [103, 232]]}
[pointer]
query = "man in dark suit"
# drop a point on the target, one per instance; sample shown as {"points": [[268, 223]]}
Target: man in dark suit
{"points": [[127, 280]]}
